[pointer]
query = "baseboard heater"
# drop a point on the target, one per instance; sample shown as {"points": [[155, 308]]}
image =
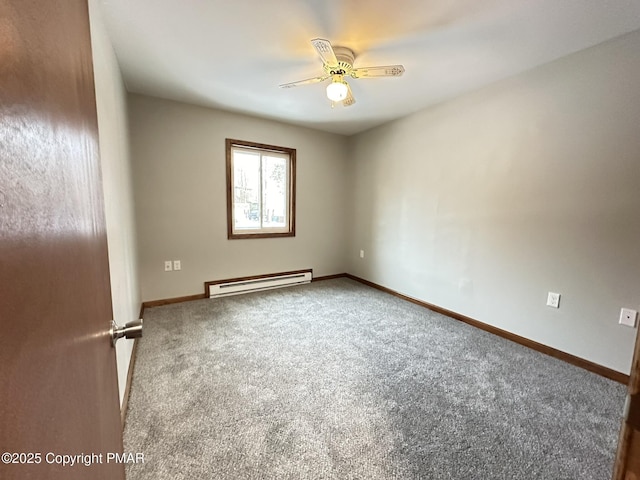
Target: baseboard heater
{"points": [[237, 286]]}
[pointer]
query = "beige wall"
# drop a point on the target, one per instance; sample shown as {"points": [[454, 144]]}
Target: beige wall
{"points": [[484, 204], [116, 178], [180, 196]]}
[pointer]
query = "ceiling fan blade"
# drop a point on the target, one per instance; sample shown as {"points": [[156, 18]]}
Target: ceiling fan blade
{"points": [[382, 71], [325, 50], [347, 102], [305, 82]]}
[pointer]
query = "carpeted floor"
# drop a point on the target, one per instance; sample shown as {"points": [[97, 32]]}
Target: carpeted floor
{"points": [[335, 380]]}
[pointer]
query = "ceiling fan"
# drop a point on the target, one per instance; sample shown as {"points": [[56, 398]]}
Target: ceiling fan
{"points": [[337, 63]]}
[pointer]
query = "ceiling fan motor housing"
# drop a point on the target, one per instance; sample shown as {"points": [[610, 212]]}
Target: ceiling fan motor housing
{"points": [[345, 57]]}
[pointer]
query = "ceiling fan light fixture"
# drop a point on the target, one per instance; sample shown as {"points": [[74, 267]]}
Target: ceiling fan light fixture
{"points": [[337, 64], [337, 91]]}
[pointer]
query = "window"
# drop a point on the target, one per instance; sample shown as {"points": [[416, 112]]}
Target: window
{"points": [[260, 190]]}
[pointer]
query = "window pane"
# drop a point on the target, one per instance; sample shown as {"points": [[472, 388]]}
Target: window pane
{"points": [[246, 190], [274, 192], [260, 190]]}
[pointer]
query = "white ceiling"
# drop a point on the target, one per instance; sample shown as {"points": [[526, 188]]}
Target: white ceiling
{"points": [[233, 54]]}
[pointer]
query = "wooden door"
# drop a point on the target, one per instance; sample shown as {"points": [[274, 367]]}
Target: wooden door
{"points": [[58, 384], [628, 460]]}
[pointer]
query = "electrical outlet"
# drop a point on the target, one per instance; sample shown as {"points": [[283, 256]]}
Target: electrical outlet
{"points": [[553, 300], [177, 265], [361, 253], [168, 266], [628, 317]]}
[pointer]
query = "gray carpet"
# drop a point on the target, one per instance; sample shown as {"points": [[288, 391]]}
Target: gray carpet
{"points": [[335, 380]]}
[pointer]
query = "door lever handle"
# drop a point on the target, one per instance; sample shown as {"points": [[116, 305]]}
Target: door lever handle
{"points": [[130, 330]]}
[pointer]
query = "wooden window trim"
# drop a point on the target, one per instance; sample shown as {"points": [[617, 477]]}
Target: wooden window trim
{"points": [[229, 144]]}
